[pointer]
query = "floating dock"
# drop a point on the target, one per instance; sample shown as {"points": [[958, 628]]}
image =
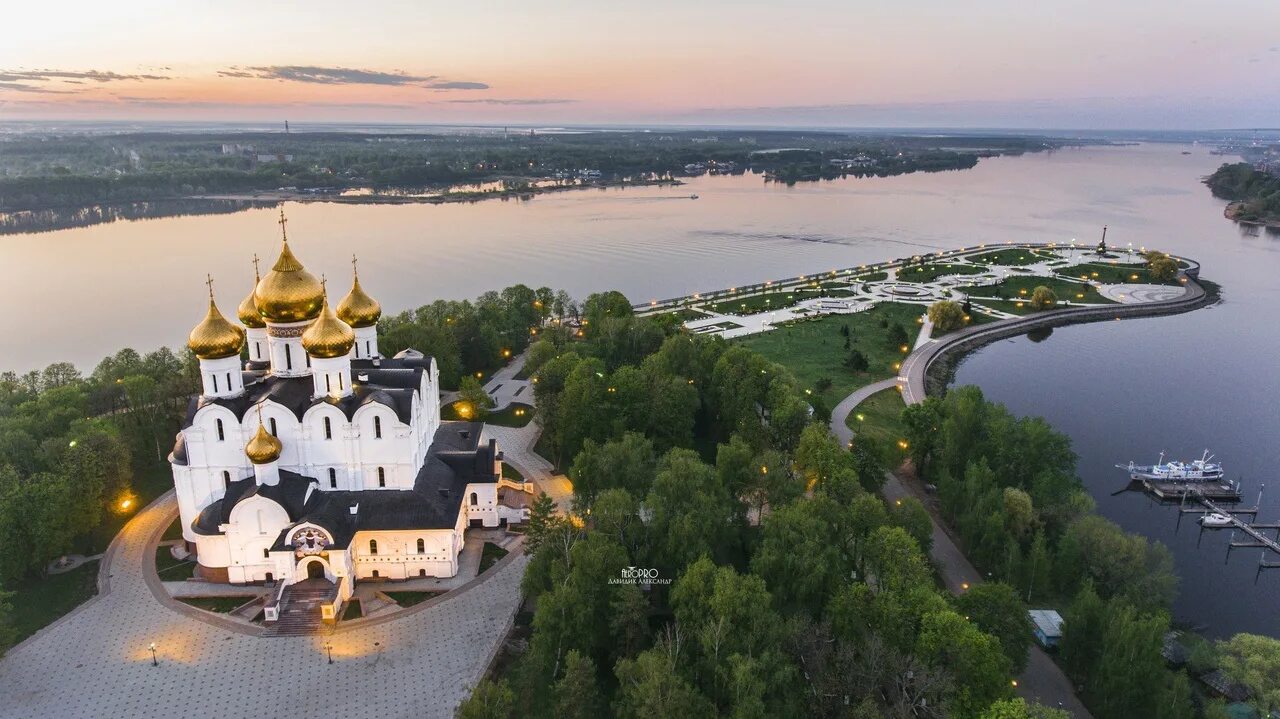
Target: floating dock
{"points": [[1175, 491]]}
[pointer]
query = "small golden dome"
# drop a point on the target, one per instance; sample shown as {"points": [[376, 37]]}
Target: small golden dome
{"points": [[263, 447], [328, 336], [248, 310], [288, 293], [215, 337], [358, 309]]}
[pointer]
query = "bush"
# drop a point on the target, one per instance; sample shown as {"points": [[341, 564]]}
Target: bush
{"points": [[946, 315], [1043, 298]]}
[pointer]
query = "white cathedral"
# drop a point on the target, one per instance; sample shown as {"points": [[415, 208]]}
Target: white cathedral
{"points": [[319, 459]]}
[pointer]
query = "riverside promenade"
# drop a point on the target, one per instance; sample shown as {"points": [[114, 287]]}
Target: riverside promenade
{"points": [[1042, 681]]}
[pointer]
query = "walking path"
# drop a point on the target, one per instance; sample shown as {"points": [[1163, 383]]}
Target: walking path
{"points": [[95, 662]]}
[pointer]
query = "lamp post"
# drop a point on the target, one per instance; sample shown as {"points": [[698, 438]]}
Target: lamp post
{"points": [[328, 649], [154, 662]]}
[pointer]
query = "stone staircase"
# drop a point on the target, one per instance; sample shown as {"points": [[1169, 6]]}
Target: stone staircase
{"points": [[300, 608]]}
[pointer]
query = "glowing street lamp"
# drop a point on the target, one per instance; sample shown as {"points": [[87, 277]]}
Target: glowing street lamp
{"points": [[154, 661], [328, 648]]}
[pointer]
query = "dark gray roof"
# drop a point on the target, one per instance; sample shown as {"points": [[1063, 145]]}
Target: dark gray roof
{"points": [[290, 493], [391, 386], [456, 459]]}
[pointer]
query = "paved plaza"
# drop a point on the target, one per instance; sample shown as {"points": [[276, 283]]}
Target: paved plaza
{"points": [[95, 661]]}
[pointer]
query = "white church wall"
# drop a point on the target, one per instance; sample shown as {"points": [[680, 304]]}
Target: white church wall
{"points": [[397, 555]]}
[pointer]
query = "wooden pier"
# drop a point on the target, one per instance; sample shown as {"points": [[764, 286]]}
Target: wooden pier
{"points": [[1253, 531], [1178, 491]]}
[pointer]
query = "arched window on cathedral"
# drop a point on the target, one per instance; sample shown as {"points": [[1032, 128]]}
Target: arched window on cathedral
{"points": [[382, 477], [373, 546], [272, 421], [422, 546], [333, 478], [377, 427], [475, 499], [222, 435], [288, 358], [226, 479], [328, 429], [215, 382]]}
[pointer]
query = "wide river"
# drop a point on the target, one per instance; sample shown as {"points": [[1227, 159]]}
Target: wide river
{"points": [[1122, 390]]}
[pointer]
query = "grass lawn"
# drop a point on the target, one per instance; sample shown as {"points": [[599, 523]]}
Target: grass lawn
{"points": [[872, 277], [173, 531], [150, 481], [814, 348], [879, 418], [221, 605], [682, 315], [1109, 274], [929, 273], [513, 415], [1019, 288], [1011, 257], [172, 570], [408, 599], [757, 303], [37, 602], [511, 472], [490, 555], [352, 610]]}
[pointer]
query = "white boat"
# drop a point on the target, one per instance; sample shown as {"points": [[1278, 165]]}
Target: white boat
{"points": [[1197, 470], [1215, 520]]}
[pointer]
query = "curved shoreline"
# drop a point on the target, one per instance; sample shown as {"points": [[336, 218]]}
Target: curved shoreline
{"points": [[915, 368]]}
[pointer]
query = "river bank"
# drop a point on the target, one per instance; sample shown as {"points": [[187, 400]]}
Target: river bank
{"points": [[1233, 210]]}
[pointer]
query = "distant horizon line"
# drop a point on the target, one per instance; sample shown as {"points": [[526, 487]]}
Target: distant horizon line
{"points": [[302, 125]]}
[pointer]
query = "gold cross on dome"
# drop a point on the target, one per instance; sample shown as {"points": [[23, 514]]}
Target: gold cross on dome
{"points": [[282, 222], [208, 280]]}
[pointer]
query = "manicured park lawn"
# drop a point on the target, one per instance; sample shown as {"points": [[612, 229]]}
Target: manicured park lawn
{"points": [[931, 272], [1109, 274], [490, 555], [513, 415], [772, 300], [221, 605], [879, 418], [1019, 288], [38, 602], [814, 348], [352, 610], [1011, 257], [511, 472]]}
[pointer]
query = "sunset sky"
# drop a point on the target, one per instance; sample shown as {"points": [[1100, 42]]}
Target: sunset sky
{"points": [[992, 63]]}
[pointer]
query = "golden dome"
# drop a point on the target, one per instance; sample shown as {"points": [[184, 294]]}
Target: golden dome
{"points": [[248, 310], [263, 447], [215, 337], [328, 336], [358, 309], [288, 293]]}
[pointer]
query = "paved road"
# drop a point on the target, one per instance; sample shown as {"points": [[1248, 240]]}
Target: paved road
{"points": [[94, 662], [516, 444], [1042, 681]]}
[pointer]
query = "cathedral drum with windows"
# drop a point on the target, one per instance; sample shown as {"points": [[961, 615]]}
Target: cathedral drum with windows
{"points": [[319, 459]]}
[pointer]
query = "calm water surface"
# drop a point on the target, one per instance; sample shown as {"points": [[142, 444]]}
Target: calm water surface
{"points": [[1122, 391]]}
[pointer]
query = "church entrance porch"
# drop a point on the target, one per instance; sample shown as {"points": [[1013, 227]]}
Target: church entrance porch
{"points": [[315, 570], [299, 607]]}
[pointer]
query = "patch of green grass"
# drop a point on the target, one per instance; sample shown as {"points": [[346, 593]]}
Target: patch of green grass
{"points": [[490, 555], [173, 570], [1109, 274], [221, 605], [1019, 289], [772, 300], [352, 610], [173, 531], [1011, 256], [515, 414], [813, 349], [872, 277], [929, 273], [38, 602], [682, 315], [879, 418], [511, 472], [408, 599]]}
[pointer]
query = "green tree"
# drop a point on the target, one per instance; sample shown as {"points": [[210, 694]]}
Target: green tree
{"points": [[797, 559], [857, 361], [1018, 708], [627, 463], [473, 401], [946, 315], [997, 610], [651, 685], [1161, 267], [1254, 661], [1043, 298], [911, 515], [577, 694], [981, 669], [489, 700], [542, 521]]}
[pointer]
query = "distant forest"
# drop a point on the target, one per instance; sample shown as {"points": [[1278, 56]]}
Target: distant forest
{"points": [[1256, 194], [67, 173]]}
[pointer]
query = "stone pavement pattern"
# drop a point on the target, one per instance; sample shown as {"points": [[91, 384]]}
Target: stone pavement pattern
{"points": [[94, 662]]}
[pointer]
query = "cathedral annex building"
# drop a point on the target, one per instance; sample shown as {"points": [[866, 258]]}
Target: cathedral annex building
{"points": [[319, 460]]}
